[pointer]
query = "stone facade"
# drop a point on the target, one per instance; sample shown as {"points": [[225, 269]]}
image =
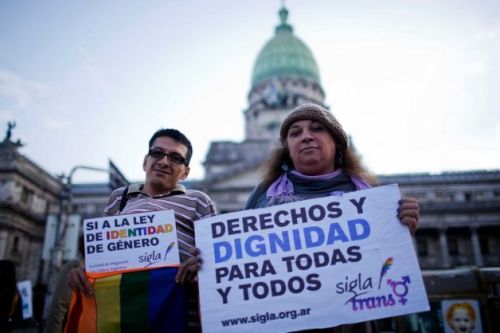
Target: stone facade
{"points": [[27, 194], [460, 223]]}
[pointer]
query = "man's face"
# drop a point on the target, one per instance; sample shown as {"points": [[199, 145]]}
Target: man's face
{"points": [[162, 175]]}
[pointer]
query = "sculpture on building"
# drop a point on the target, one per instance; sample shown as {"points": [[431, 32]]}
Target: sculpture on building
{"points": [[7, 141]]}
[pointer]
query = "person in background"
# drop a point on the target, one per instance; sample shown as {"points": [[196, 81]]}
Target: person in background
{"points": [[165, 165], [61, 298], [11, 315]]}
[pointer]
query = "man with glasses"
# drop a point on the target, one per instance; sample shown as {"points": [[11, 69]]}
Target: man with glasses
{"points": [[165, 165]]}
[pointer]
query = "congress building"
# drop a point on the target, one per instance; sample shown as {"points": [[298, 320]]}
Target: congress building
{"points": [[458, 242]]}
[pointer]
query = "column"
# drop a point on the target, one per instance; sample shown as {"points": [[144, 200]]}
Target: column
{"points": [[476, 248], [3, 244], [443, 244]]}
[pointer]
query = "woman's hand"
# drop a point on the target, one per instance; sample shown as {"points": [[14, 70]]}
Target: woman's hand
{"points": [[409, 213], [77, 280], [188, 270]]}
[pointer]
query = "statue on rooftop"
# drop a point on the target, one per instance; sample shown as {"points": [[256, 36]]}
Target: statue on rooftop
{"points": [[7, 141], [10, 126]]}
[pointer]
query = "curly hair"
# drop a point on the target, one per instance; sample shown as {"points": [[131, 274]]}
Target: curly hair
{"points": [[464, 306], [347, 159]]}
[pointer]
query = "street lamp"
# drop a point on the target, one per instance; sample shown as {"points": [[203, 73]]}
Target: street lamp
{"points": [[61, 224], [65, 210]]}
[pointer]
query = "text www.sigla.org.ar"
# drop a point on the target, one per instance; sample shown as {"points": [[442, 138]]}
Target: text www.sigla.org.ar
{"points": [[264, 318]]}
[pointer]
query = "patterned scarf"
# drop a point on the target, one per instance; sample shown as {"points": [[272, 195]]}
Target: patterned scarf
{"points": [[335, 183]]}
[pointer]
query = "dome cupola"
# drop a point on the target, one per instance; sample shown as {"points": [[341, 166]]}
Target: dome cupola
{"points": [[285, 55]]}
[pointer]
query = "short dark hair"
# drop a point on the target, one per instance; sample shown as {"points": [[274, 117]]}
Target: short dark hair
{"points": [[177, 136]]}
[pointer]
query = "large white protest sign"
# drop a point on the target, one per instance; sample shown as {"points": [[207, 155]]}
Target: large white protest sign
{"points": [[309, 264], [131, 242]]}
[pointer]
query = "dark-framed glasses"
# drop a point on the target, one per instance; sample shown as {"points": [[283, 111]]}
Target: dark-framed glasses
{"points": [[175, 158]]}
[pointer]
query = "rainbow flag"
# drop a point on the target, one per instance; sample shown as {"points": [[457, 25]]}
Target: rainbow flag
{"points": [[142, 301]]}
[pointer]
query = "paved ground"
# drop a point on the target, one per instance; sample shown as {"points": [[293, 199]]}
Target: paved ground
{"points": [[26, 330], [28, 327]]}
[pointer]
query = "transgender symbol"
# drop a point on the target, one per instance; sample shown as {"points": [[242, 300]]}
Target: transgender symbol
{"points": [[400, 288]]}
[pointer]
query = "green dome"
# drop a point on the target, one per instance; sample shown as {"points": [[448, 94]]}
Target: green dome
{"points": [[285, 55]]}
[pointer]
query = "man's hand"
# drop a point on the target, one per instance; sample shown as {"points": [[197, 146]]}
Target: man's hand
{"points": [[409, 213], [77, 280], [188, 270]]}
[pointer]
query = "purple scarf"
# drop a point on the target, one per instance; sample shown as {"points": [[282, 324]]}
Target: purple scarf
{"points": [[282, 189]]}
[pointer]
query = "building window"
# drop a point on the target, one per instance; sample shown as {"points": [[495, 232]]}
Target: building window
{"points": [[444, 196], [15, 245], [422, 248], [417, 195], [25, 195], [453, 246], [273, 126], [484, 245]]}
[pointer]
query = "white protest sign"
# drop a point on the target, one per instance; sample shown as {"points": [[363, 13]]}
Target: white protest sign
{"points": [[24, 288], [131, 242], [309, 264]]}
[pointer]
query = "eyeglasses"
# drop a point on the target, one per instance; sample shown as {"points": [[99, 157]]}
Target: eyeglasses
{"points": [[172, 157]]}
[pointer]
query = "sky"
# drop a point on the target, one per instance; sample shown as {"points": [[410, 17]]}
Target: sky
{"points": [[415, 83]]}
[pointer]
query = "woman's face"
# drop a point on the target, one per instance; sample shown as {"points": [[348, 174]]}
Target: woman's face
{"points": [[311, 147], [461, 322]]}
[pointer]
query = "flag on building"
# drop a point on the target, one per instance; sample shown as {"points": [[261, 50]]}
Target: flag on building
{"points": [[116, 177]]}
